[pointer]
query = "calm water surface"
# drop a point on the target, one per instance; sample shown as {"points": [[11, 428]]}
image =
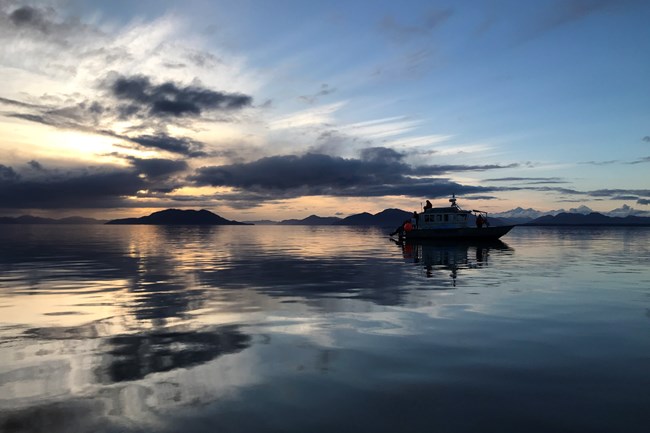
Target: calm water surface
{"points": [[302, 329]]}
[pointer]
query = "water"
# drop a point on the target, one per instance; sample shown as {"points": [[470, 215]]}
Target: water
{"points": [[302, 329]]}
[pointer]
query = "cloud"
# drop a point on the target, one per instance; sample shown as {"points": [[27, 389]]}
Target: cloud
{"points": [[378, 172], [310, 117], [161, 141], [142, 97], [436, 170], [610, 162], [401, 33], [381, 154], [157, 167], [43, 26], [528, 180], [93, 117], [611, 194], [17, 103], [86, 189], [646, 139], [640, 160], [90, 187], [28, 16], [290, 172], [7, 174], [644, 201], [565, 12], [325, 89], [36, 165]]}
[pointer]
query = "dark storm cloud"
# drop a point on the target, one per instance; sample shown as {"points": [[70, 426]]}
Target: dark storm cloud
{"points": [[7, 174], [529, 180], [28, 16], [91, 187], [141, 96], [381, 154], [182, 146], [524, 179], [610, 194], [643, 201], [437, 170], [36, 165], [379, 172], [291, 171], [619, 192], [481, 197], [45, 25], [646, 138], [157, 167], [80, 190]]}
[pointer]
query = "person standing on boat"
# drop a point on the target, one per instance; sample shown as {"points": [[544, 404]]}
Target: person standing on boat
{"points": [[416, 219], [428, 205], [480, 221]]}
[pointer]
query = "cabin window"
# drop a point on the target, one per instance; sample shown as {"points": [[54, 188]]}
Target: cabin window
{"points": [[462, 217], [446, 217], [438, 218]]}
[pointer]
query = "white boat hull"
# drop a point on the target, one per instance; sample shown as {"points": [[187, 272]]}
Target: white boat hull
{"points": [[459, 233]]}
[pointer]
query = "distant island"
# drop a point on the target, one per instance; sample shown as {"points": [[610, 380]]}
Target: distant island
{"points": [[179, 217], [312, 220], [29, 219]]}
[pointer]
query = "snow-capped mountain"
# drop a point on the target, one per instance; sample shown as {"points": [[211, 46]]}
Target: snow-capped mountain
{"points": [[530, 213]]}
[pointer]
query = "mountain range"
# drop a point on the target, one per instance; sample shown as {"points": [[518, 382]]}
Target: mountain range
{"points": [[386, 218], [592, 219], [530, 214]]}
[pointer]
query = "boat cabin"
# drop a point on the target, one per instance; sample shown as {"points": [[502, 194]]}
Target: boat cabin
{"points": [[444, 217]]}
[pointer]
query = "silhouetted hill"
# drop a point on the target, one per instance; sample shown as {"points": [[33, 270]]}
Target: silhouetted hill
{"points": [[312, 220], [592, 219], [261, 222], [385, 218], [29, 219], [178, 217]]}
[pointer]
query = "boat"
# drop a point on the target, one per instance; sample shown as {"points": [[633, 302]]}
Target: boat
{"points": [[452, 222]]}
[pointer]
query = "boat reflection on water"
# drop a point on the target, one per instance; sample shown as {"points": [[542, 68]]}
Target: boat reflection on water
{"points": [[439, 255]]}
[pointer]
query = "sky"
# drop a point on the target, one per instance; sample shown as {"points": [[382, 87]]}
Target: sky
{"points": [[283, 109]]}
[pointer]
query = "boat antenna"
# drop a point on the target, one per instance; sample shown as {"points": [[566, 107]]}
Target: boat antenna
{"points": [[452, 200]]}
